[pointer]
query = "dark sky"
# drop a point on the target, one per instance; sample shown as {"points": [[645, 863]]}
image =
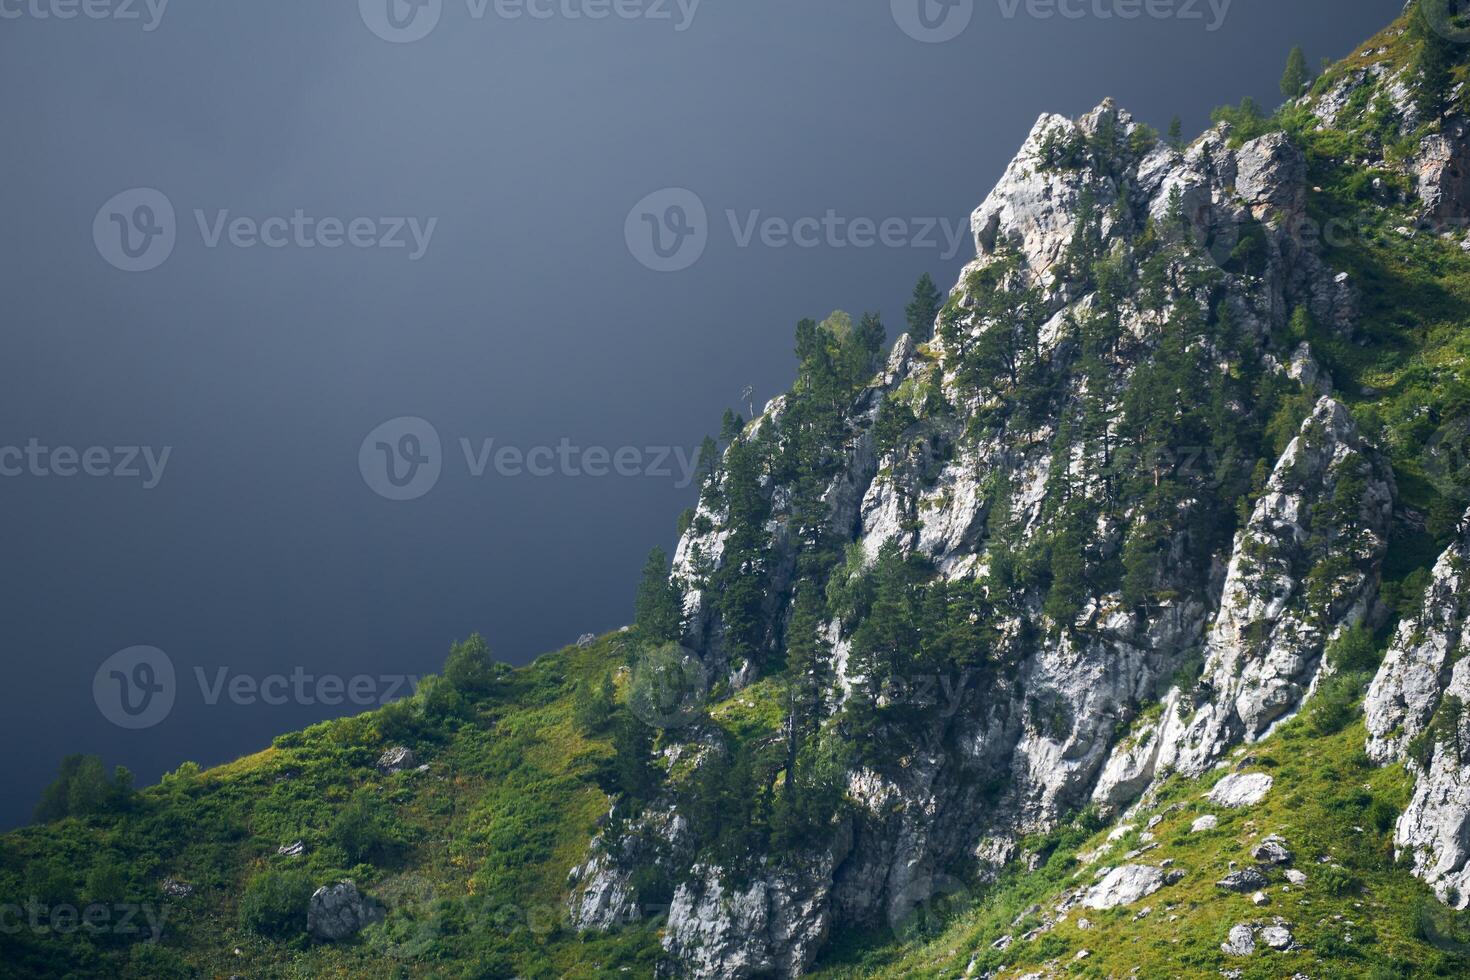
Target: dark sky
{"points": [[528, 318]]}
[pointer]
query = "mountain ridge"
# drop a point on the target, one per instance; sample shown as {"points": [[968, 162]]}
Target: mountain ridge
{"points": [[1170, 482]]}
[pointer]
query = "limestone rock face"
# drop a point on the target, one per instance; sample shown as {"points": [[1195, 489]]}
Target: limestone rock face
{"points": [[1099, 708], [1303, 570], [773, 926], [1415, 712], [1444, 173]]}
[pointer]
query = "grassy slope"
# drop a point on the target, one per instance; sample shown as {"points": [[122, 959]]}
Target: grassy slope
{"points": [[1328, 801], [489, 834]]}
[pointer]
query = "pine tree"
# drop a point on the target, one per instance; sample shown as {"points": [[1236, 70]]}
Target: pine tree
{"points": [[740, 583], [632, 766], [658, 610], [807, 665], [1176, 133], [1436, 56], [709, 461], [1294, 81], [923, 309]]}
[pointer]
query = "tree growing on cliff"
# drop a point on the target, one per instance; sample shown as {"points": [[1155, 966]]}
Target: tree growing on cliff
{"points": [[923, 309], [1296, 78], [657, 610]]}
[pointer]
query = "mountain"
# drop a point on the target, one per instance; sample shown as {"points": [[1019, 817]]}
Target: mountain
{"points": [[1110, 624]]}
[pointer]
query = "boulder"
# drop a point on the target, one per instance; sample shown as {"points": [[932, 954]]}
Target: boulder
{"points": [[1241, 789], [339, 911], [397, 759], [1124, 886], [1272, 850], [1242, 941], [1242, 881], [1207, 822], [1277, 937]]}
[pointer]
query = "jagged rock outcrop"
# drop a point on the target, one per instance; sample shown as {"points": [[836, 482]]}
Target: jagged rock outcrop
{"points": [[1305, 568], [771, 925], [1415, 712], [1054, 720]]}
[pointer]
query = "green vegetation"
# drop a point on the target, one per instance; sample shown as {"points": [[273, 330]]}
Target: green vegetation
{"points": [[1358, 914]]}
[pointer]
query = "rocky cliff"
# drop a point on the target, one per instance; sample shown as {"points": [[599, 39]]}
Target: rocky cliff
{"points": [[1117, 403]]}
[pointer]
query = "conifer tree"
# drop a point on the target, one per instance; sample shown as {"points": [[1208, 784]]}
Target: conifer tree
{"points": [[657, 611], [1294, 81], [923, 309]]}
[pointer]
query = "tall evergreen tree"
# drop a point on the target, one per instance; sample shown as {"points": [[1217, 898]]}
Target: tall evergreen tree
{"points": [[1436, 56], [1294, 81], [741, 581], [633, 773], [923, 309], [658, 613]]}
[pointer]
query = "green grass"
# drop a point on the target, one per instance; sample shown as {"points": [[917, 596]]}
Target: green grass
{"points": [[1328, 801]]}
